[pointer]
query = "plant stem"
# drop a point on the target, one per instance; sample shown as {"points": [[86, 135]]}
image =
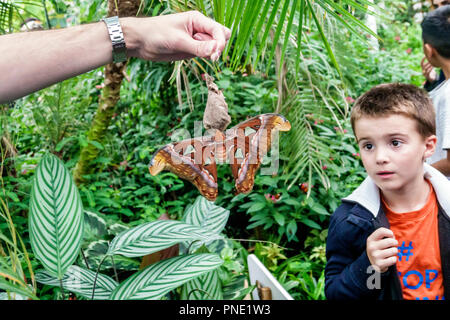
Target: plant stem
{"points": [[46, 15], [114, 268], [201, 290], [262, 241], [96, 274], [62, 289], [84, 258]]}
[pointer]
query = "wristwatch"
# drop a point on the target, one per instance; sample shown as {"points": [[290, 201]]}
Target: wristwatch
{"points": [[119, 49]]}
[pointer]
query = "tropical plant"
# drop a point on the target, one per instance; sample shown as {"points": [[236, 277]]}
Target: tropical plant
{"points": [[56, 230], [13, 254], [13, 12]]}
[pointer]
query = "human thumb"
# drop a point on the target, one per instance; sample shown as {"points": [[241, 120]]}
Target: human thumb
{"points": [[207, 49]]}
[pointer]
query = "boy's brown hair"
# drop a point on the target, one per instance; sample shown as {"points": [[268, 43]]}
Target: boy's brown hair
{"points": [[397, 98]]}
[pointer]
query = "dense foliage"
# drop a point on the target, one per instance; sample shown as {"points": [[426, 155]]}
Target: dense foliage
{"points": [[283, 221]]}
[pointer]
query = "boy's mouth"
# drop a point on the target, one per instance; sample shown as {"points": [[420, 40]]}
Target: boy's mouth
{"points": [[384, 173]]}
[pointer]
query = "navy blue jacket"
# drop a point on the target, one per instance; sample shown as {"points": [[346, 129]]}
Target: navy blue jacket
{"points": [[347, 273]]}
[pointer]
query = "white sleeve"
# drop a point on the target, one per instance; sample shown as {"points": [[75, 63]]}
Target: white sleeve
{"points": [[445, 120]]}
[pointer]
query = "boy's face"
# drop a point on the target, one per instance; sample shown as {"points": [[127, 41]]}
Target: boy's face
{"points": [[392, 150], [439, 3]]}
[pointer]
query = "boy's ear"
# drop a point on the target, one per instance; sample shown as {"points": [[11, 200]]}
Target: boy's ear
{"points": [[428, 50], [430, 146]]}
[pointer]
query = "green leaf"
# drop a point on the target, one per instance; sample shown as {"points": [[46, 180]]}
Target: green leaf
{"points": [[94, 226], [279, 218], [310, 223], [236, 290], [157, 235], [318, 208], [291, 201], [96, 144], [56, 216], [256, 207], [64, 141], [95, 254], [206, 214], [291, 229], [81, 281], [163, 276]]}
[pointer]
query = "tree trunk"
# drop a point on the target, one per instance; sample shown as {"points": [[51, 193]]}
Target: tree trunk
{"points": [[114, 74]]}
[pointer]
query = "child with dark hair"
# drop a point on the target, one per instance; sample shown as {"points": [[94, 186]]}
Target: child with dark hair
{"points": [[436, 46], [433, 79], [390, 238]]}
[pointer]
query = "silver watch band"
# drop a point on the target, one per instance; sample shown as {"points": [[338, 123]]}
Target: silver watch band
{"points": [[119, 49]]}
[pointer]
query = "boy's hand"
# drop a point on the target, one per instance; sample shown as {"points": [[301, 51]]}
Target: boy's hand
{"points": [[428, 71], [381, 248]]}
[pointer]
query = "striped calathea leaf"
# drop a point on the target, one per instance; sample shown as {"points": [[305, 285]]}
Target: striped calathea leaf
{"points": [[205, 287], [81, 281], [55, 217], [206, 214], [163, 276], [157, 235]]}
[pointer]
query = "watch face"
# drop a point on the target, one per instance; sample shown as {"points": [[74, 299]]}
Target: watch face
{"points": [[118, 42], [119, 45]]}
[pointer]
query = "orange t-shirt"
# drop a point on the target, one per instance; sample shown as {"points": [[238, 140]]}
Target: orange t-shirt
{"points": [[419, 260]]}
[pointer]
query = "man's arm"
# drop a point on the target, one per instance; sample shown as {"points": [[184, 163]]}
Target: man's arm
{"points": [[34, 60], [31, 61], [443, 165]]}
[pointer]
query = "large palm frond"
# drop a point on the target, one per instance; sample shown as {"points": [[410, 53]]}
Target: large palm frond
{"points": [[13, 11], [252, 21]]}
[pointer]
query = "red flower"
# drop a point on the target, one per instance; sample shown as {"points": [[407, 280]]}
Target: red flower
{"points": [[349, 99], [273, 198], [397, 38], [304, 187], [408, 51]]}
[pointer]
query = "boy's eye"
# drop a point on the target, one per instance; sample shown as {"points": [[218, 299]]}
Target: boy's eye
{"points": [[368, 146], [396, 143]]}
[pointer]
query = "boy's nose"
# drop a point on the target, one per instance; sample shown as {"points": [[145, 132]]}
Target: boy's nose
{"points": [[381, 156]]}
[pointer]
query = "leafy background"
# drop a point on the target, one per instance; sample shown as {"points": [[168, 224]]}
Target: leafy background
{"points": [[319, 162]]}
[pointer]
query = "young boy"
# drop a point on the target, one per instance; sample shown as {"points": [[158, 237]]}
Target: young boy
{"points": [[390, 239], [436, 46]]}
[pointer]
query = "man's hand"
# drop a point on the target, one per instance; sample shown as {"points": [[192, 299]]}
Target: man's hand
{"points": [[175, 37], [428, 71], [381, 248]]}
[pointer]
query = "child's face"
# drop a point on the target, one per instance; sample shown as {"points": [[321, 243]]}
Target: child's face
{"points": [[439, 3], [392, 150]]}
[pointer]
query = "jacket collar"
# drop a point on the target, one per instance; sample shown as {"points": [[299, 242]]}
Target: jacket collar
{"points": [[368, 194]]}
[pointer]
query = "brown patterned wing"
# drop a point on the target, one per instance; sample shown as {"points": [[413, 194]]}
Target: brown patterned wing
{"points": [[192, 160], [247, 143]]}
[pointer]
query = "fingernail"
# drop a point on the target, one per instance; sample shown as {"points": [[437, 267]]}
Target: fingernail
{"points": [[215, 56]]}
